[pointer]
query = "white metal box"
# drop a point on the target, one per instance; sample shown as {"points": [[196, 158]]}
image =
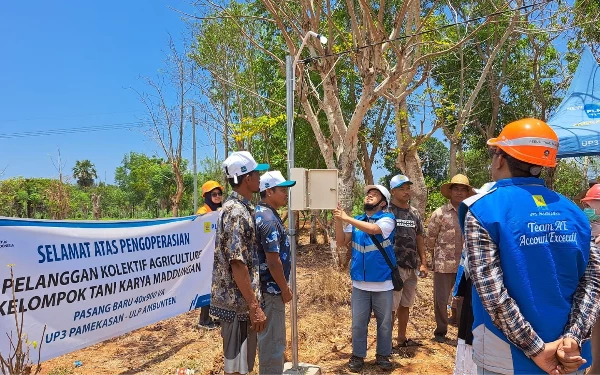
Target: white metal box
{"points": [[298, 191], [322, 189], [316, 189]]}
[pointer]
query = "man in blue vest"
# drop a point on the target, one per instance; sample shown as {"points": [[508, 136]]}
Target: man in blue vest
{"points": [[533, 267], [372, 287]]}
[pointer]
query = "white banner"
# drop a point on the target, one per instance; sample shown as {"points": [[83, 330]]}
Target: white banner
{"points": [[90, 281]]}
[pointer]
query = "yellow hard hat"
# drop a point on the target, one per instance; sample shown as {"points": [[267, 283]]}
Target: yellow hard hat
{"points": [[210, 185]]}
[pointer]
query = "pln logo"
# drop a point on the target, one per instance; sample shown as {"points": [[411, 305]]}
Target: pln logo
{"points": [[208, 226], [539, 202], [592, 110]]}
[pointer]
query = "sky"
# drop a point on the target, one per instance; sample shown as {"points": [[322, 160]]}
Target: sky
{"points": [[71, 65]]}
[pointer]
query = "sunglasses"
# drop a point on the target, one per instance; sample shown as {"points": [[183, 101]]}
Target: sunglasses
{"points": [[492, 151], [216, 194]]}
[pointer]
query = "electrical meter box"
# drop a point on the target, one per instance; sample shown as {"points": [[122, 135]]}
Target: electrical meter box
{"points": [[315, 189]]}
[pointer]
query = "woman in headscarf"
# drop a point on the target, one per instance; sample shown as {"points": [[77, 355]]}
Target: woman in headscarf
{"points": [[212, 192]]}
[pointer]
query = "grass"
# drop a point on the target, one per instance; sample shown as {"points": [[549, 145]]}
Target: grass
{"points": [[61, 370]]}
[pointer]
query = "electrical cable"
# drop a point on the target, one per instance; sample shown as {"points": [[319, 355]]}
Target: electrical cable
{"points": [[85, 129], [470, 20]]}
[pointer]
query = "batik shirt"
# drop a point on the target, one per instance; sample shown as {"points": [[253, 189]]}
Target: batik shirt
{"points": [[235, 240], [444, 239], [408, 226], [272, 238]]}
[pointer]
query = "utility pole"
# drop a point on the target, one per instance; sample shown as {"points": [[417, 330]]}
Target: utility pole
{"points": [[194, 159]]}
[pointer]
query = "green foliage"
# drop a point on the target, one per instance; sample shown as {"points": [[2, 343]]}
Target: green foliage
{"points": [[568, 178], [144, 187], [434, 160], [477, 164], [85, 173], [435, 198]]}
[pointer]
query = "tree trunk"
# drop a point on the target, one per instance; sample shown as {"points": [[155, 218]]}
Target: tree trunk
{"points": [[410, 164], [179, 192], [408, 160], [365, 161], [346, 179], [96, 206], [313, 226], [453, 169]]}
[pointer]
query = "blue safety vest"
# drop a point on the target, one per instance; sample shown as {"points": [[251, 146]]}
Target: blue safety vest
{"points": [[367, 262], [544, 246]]}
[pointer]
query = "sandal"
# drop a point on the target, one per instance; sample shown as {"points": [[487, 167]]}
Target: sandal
{"points": [[409, 343]]}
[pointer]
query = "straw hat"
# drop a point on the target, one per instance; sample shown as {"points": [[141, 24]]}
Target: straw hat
{"points": [[459, 179]]}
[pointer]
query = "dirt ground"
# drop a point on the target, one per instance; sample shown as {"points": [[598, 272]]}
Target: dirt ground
{"points": [[324, 335]]}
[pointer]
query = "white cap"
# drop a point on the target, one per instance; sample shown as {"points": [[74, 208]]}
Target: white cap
{"points": [[382, 190], [399, 180], [240, 163], [274, 178]]}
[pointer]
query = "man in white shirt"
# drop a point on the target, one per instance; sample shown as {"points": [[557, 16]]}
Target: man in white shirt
{"points": [[372, 288]]}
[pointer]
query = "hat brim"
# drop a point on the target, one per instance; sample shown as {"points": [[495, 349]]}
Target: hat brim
{"points": [[262, 167], [402, 183], [288, 183], [370, 187], [445, 189]]}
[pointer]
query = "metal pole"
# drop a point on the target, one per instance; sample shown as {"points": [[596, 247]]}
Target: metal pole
{"points": [[289, 85], [194, 159]]}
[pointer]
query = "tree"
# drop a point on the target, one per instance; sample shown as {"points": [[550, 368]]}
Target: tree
{"points": [[168, 121], [479, 62], [136, 178], [85, 173], [586, 19], [435, 157]]}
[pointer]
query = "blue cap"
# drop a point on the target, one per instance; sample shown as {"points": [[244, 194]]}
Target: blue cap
{"points": [[399, 180]]}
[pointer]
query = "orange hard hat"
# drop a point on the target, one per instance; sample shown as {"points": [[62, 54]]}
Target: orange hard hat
{"points": [[592, 194], [529, 140], [210, 185]]}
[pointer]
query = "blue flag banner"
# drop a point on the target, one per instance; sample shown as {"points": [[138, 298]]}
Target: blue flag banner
{"points": [[577, 119], [88, 281]]}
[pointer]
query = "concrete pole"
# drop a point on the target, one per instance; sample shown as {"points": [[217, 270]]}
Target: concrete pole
{"points": [[194, 159], [289, 85]]}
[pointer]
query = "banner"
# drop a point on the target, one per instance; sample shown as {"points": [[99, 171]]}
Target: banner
{"points": [[90, 281]]}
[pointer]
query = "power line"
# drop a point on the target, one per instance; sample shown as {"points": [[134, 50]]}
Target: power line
{"points": [[67, 116], [358, 48], [84, 129]]}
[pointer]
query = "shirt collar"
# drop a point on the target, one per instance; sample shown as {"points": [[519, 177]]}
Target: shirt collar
{"points": [[266, 205], [520, 181], [241, 198], [449, 207]]}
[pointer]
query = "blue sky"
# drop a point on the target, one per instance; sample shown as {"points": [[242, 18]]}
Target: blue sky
{"points": [[70, 65]]}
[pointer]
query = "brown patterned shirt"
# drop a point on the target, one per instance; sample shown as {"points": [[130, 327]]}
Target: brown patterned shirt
{"points": [[444, 240], [235, 240]]}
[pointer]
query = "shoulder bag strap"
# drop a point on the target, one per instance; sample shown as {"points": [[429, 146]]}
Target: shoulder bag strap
{"points": [[382, 251]]}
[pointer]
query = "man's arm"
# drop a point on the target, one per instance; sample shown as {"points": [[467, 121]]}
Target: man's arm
{"points": [[433, 230], [421, 250], [276, 270], [342, 238], [368, 228], [483, 263], [238, 256], [585, 306], [269, 238], [242, 279]]}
